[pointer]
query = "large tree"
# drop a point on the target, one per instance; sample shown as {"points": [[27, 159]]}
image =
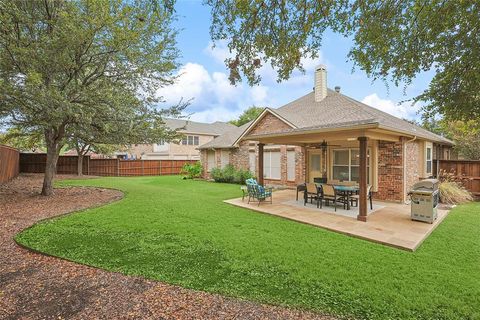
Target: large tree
{"points": [[65, 63], [392, 40], [113, 129], [466, 135], [247, 115]]}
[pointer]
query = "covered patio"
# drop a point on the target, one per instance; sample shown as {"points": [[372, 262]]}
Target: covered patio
{"points": [[324, 144], [388, 223]]}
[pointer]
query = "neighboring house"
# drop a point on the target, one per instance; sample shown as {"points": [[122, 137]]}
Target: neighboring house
{"points": [[195, 134], [318, 137]]}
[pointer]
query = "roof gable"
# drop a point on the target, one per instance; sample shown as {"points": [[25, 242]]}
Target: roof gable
{"points": [[267, 122]]}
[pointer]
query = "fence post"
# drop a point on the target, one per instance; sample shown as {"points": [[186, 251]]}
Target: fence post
{"points": [[143, 168], [118, 167]]}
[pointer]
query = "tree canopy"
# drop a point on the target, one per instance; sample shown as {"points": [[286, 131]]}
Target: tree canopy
{"points": [[392, 40], [67, 66], [466, 135], [247, 116]]}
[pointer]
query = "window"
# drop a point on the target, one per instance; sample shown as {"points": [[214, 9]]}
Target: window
{"points": [[291, 165], [210, 160], [271, 165], [346, 165], [252, 163], [341, 168], [428, 158], [225, 158], [191, 141]]}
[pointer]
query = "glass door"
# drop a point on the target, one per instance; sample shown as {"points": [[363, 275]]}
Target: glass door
{"points": [[314, 165]]}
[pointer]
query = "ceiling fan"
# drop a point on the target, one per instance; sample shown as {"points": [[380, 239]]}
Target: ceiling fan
{"points": [[322, 145]]}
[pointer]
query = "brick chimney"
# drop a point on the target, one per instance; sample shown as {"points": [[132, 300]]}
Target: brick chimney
{"points": [[320, 82]]}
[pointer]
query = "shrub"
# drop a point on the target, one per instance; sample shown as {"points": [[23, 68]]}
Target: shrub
{"points": [[452, 192], [230, 175], [192, 170]]}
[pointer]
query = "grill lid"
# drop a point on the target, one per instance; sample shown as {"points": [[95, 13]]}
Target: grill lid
{"points": [[426, 185]]}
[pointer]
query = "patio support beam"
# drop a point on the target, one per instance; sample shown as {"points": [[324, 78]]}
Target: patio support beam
{"points": [[362, 205], [260, 163]]}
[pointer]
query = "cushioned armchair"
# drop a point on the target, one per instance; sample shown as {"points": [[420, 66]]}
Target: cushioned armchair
{"points": [[258, 192]]}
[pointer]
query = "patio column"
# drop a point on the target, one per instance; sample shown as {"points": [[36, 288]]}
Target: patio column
{"points": [[260, 163], [362, 205]]}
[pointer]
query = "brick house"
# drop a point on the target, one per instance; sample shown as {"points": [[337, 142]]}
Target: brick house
{"points": [[326, 136], [194, 135]]}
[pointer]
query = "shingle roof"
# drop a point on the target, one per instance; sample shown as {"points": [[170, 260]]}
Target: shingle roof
{"points": [[216, 128], [335, 110], [227, 139]]}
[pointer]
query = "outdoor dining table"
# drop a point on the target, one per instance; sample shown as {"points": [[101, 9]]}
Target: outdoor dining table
{"points": [[346, 191]]}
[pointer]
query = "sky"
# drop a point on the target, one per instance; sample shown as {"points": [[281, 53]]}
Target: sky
{"points": [[203, 76]]}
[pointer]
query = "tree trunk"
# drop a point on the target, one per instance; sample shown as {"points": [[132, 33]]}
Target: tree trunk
{"points": [[80, 165], [50, 168], [82, 150], [53, 138]]}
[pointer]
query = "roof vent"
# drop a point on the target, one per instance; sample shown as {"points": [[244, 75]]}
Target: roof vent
{"points": [[337, 89]]}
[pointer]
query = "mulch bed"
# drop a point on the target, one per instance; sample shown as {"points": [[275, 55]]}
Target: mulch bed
{"points": [[35, 286]]}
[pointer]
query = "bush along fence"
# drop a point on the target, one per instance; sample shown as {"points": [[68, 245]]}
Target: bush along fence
{"points": [[35, 163], [9, 163], [468, 171]]}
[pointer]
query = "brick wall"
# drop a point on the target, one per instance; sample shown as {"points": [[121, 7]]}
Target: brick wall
{"points": [[240, 159], [390, 171], [268, 124]]}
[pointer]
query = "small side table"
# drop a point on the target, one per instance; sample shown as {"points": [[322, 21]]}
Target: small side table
{"points": [[244, 191]]}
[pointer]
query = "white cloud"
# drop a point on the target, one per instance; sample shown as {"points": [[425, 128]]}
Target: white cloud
{"points": [[219, 53], [404, 110], [212, 96], [259, 94]]}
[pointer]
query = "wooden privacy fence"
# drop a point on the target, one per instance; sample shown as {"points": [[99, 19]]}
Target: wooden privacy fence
{"points": [[125, 168], [35, 163], [9, 163], [468, 170]]}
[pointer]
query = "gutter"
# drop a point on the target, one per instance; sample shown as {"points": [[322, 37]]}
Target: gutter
{"points": [[405, 169]]}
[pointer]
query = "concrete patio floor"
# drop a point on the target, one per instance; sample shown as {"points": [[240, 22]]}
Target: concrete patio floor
{"points": [[388, 223]]}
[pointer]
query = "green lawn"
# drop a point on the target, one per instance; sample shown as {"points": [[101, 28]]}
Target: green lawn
{"points": [[180, 232]]}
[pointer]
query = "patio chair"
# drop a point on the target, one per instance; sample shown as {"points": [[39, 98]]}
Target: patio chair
{"points": [[258, 192], [330, 194], [313, 193], [355, 198]]}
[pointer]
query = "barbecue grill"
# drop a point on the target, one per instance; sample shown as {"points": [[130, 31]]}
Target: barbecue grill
{"points": [[424, 200]]}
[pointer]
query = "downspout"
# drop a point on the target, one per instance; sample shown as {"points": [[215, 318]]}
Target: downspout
{"points": [[405, 200]]}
